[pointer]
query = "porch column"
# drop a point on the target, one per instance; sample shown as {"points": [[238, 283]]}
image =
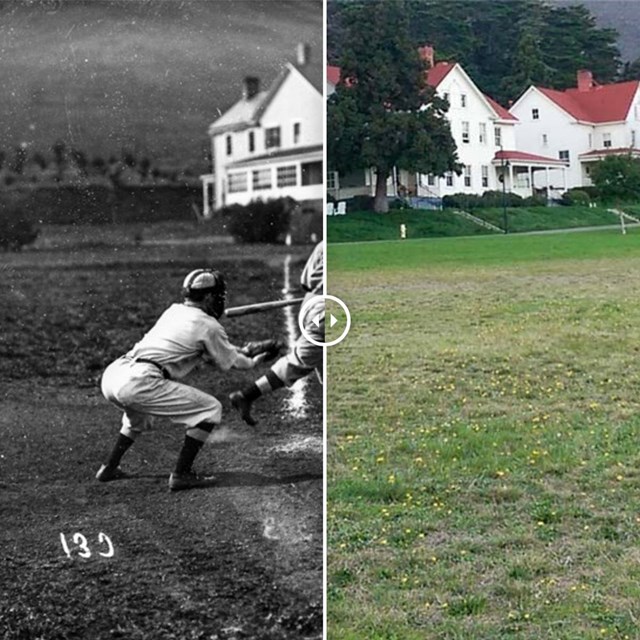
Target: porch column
{"points": [[206, 208], [511, 185], [533, 191], [546, 175]]}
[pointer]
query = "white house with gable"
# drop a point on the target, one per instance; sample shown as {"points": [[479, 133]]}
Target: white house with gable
{"points": [[485, 137], [580, 126], [269, 144]]}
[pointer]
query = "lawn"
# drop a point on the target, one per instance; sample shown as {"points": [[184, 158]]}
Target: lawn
{"points": [[482, 463], [360, 226]]}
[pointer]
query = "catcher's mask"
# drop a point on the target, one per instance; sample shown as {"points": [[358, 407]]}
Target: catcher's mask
{"points": [[208, 288]]}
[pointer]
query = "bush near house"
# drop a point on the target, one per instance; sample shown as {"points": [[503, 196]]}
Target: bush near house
{"points": [[575, 198], [260, 221]]}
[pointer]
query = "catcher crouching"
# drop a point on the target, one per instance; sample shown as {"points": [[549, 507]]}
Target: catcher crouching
{"points": [[145, 382]]}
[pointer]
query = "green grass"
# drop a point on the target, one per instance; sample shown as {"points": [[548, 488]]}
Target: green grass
{"points": [[362, 226], [483, 467]]}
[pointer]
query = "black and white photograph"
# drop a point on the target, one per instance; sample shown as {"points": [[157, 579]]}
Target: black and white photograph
{"points": [[161, 319]]}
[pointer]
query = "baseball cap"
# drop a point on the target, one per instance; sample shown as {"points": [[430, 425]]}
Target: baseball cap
{"points": [[202, 279]]}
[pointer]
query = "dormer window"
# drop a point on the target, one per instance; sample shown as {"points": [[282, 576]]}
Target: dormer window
{"points": [[296, 132], [229, 142], [272, 138], [252, 142]]}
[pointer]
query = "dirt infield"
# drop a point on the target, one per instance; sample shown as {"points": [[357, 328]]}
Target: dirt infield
{"points": [[242, 558]]}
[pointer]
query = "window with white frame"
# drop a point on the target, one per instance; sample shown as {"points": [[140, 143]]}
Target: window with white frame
{"points": [[449, 178], [446, 97], [229, 142], [297, 128], [485, 175], [463, 100], [590, 141], [272, 137], [467, 175], [564, 155], [545, 140], [633, 138], [606, 140], [482, 133], [497, 134], [252, 141], [465, 132], [535, 114], [237, 182], [261, 179], [287, 176], [332, 180], [431, 180]]}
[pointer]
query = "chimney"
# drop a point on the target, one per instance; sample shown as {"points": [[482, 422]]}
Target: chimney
{"points": [[427, 54], [251, 87], [585, 80], [303, 52]]}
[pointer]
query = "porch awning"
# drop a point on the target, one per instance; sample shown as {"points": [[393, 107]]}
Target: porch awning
{"points": [[600, 154], [521, 157]]}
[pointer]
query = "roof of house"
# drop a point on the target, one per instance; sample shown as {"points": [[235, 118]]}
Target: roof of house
{"points": [[248, 111], [530, 158], [600, 103], [435, 75]]}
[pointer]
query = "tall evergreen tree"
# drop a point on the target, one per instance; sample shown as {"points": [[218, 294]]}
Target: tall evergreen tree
{"points": [[383, 114]]}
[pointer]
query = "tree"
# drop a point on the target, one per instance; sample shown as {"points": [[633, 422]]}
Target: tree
{"points": [[630, 71], [383, 115], [617, 178]]}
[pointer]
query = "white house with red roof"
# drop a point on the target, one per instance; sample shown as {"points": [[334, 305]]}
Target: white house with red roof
{"points": [[269, 144], [580, 126], [485, 137]]}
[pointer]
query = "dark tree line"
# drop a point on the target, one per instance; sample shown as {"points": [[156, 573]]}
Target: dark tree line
{"points": [[505, 45]]}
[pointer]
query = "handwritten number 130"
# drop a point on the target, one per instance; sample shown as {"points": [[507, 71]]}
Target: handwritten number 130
{"points": [[83, 546]]}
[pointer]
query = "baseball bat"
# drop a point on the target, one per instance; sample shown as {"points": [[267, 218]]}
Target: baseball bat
{"points": [[258, 307]]}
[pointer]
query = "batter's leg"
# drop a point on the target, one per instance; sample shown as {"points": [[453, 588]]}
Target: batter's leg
{"points": [[183, 476]]}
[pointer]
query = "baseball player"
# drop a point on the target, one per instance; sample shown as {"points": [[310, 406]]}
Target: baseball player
{"points": [[305, 356], [145, 382]]}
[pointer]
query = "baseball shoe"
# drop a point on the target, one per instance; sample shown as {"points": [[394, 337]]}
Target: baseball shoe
{"points": [[106, 474], [181, 481], [243, 406]]}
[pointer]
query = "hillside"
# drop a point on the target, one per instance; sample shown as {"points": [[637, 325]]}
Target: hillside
{"points": [[148, 76]]}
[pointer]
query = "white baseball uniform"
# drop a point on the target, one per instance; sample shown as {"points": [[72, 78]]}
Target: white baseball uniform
{"points": [[144, 383]]}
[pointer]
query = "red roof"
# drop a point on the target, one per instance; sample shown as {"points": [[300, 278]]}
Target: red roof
{"points": [[500, 110], [611, 152], [438, 72], [600, 103], [333, 74], [526, 157]]}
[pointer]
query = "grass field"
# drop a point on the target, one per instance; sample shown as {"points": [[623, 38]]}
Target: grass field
{"points": [[242, 558], [483, 478]]}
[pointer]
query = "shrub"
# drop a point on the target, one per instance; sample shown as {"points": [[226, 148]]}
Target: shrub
{"points": [[535, 201], [16, 229], [575, 197], [495, 199], [361, 203], [266, 222], [465, 201]]}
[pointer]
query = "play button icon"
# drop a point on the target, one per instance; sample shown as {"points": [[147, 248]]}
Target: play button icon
{"points": [[325, 308]]}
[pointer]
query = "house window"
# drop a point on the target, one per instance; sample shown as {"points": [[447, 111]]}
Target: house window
{"points": [[564, 155], [261, 179], [606, 140], [467, 175], [446, 96], [465, 132], [497, 132], [332, 180], [485, 175], [535, 114], [252, 142], [590, 141], [482, 137], [272, 138], [545, 140], [229, 145], [431, 180], [296, 132], [633, 138], [449, 178], [287, 176], [311, 173], [463, 100], [237, 182]]}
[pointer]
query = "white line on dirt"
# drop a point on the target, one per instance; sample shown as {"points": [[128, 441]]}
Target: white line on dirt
{"points": [[295, 402]]}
